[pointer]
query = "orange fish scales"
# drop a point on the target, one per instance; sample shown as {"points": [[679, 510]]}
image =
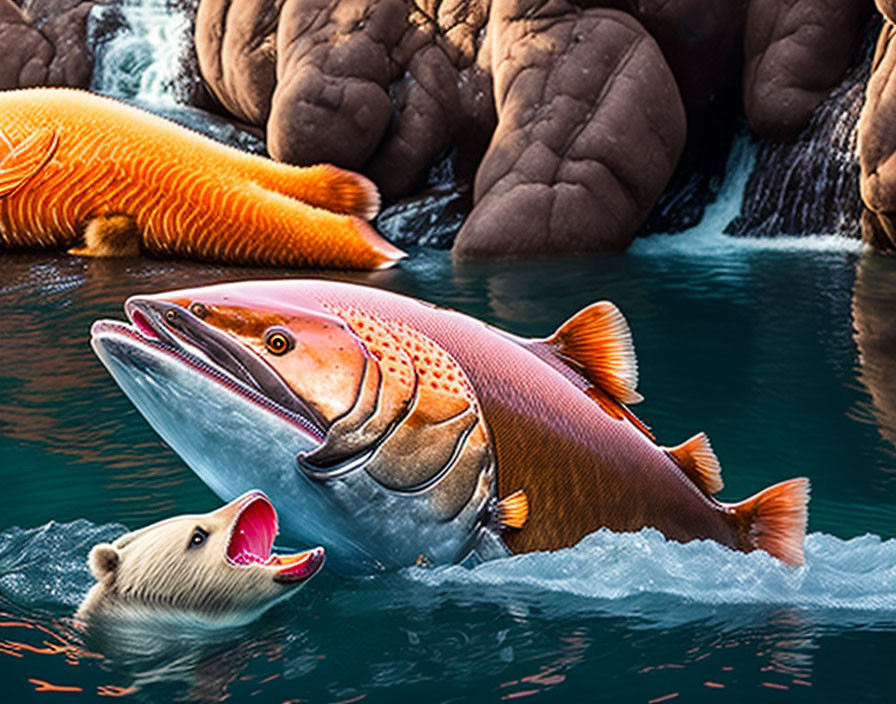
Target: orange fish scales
{"points": [[112, 159]]}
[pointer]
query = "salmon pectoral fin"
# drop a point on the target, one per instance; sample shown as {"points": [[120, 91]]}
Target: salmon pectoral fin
{"points": [[110, 236], [339, 190], [774, 520], [597, 343], [697, 460], [26, 159], [513, 510]]}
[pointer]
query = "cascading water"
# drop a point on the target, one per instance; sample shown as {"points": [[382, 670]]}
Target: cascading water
{"points": [[144, 54], [140, 49], [811, 186]]}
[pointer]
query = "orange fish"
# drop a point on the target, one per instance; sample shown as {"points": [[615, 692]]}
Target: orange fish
{"points": [[78, 169], [396, 433]]}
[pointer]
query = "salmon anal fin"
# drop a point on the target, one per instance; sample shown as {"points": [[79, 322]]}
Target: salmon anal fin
{"points": [[617, 410], [513, 510], [774, 520], [26, 159], [597, 342], [697, 460], [110, 236]]}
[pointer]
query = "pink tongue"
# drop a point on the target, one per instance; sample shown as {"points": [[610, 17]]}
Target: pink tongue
{"points": [[254, 534], [143, 324]]}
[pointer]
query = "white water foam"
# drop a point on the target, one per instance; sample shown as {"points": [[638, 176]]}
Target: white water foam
{"points": [[857, 574], [707, 239]]}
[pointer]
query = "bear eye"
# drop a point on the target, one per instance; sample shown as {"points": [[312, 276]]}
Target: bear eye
{"points": [[278, 341], [198, 537]]}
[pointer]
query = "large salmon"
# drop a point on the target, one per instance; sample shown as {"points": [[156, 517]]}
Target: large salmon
{"points": [[80, 170], [396, 432]]}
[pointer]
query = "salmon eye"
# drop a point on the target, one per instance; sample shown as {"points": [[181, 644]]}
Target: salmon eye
{"points": [[198, 537], [278, 341], [170, 316], [199, 310]]}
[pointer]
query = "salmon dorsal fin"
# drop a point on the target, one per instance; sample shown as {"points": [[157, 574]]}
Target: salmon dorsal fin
{"points": [[697, 460], [26, 159], [597, 343]]}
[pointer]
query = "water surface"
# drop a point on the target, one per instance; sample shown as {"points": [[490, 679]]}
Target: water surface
{"points": [[782, 351]]}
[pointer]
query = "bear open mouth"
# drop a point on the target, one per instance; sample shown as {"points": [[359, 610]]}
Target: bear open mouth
{"points": [[252, 540]]}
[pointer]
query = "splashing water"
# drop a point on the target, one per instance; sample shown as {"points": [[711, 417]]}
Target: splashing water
{"points": [[855, 574]]}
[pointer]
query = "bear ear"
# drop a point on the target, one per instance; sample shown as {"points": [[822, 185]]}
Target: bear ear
{"points": [[103, 560]]}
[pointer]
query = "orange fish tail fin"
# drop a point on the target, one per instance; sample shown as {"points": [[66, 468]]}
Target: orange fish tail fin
{"points": [[774, 520], [343, 191], [322, 186]]}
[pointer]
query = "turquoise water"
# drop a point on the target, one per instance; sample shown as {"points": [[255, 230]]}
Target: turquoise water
{"points": [[783, 351]]}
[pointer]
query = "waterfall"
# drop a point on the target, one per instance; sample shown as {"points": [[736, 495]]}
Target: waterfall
{"points": [[142, 49], [811, 186], [144, 54]]}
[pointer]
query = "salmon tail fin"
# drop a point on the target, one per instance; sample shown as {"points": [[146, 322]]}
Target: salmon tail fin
{"points": [[774, 520], [26, 159], [695, 457], [339, 190], [597, 343]]}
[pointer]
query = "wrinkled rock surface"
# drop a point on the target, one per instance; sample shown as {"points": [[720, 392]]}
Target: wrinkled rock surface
{"points": [[810, 185], [590, 128], [877, 143], [44, 44], [796, 51]]}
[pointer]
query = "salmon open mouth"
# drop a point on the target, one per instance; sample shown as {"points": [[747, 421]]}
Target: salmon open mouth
{"points": [[252, 541], [212, 354]]}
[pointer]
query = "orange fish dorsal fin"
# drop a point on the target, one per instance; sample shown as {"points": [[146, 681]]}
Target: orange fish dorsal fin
{"points": [[513, 510], [26, 159], [697, 460], [597, 342]]}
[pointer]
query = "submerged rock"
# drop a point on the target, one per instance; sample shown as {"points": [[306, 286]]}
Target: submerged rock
{"points": [[810, 185]]}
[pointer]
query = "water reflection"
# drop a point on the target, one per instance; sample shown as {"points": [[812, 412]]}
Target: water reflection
{"points": [[874, 322]]}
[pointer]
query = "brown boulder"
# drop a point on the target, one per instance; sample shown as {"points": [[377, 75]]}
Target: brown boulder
{"points": [[442, 96], [590, 128], [796, 51], [56, 55], [236, 51], [877, 142], [332, 98], [702, 41], [26, 52], [887, 8], [72, 62]]}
